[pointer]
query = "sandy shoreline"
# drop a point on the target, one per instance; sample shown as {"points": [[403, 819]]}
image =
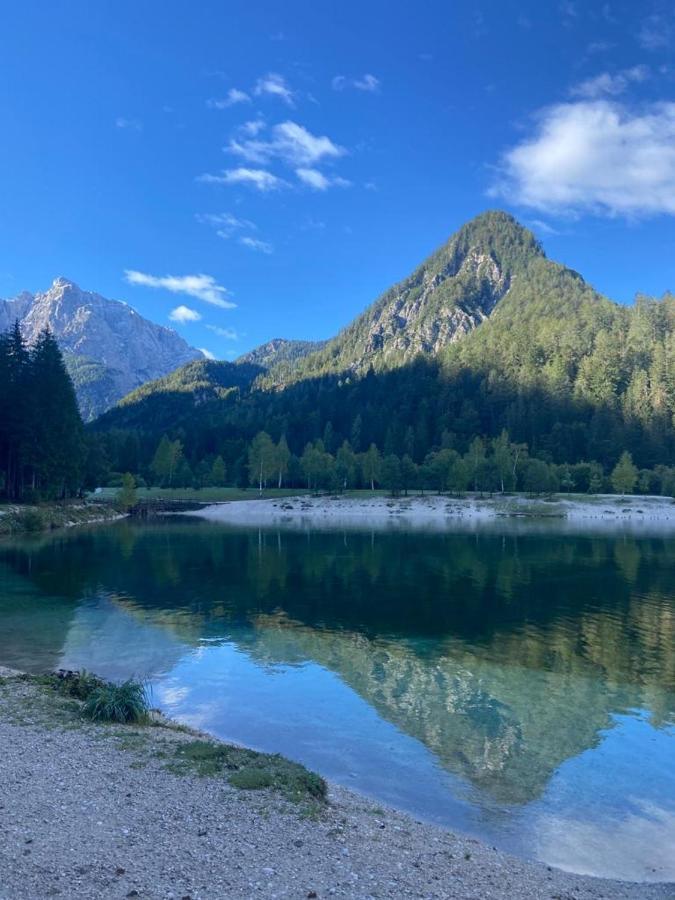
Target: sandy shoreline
{"points": [[433, 512], [93, 811]]}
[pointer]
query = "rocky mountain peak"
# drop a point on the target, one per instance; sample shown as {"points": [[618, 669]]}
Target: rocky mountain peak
{"points": [[109, 348], [61, 282], [452, 292]]}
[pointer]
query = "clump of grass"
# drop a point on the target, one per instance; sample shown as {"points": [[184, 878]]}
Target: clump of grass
{"points": [[250, 771], [126, 702]]}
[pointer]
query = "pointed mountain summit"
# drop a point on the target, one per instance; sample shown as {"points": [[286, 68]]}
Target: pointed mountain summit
{"points": [[449, 295], [109, 348]]}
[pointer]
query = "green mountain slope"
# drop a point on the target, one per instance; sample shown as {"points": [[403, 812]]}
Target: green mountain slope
{"points": [[486, 334], [280, 353], [447, 297]]}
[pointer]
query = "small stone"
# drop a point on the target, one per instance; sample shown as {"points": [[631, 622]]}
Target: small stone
{"points": [[119, 871]]}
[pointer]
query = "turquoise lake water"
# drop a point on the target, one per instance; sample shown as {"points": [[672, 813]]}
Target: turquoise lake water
{"points": [[512, 683]]}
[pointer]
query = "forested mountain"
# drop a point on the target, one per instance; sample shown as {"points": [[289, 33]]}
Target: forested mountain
{"points": [[448, 296], [108, 347], [486, 336], [280, 353]]}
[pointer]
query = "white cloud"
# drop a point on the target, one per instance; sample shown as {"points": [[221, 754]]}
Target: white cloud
{"points": [[207, 353], [234, 96], [274, 85], [595, 156], [130, 124], [229, 333], [612, 85], [258, 178], [367, 82], [290, 142], [184, 314], [256, 244], [318, 181], [202, 287]]}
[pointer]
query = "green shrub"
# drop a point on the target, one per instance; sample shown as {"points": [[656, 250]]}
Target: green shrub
{"points": [[126, 702], [80, 685], [31, 520]]}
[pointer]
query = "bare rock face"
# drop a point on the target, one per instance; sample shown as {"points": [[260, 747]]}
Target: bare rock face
{"points": [[448, 296], [109, 348], [415, 320]]}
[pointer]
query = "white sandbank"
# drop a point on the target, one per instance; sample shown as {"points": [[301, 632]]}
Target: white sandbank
{"points": [[435, 512]]}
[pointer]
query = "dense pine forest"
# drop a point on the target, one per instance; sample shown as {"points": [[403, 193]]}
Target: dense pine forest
{"points": [[43, 450]]}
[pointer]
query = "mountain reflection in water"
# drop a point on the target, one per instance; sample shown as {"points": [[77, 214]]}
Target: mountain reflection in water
{"points": [[472, 678]]}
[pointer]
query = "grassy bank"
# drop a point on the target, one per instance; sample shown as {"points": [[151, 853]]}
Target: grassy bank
{"points": [[123, 713], [24, 519]]}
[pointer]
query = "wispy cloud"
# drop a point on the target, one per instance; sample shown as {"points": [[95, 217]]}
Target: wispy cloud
{"points": [[290, 142], [366, 82], [229, 333], [260, 179], [318, 181], [543, 227], [207, 353], [228, 226], [595, 156], [225, 223], [655, 33], [256, 244], [274, 85], [202, 287], [128, 124], [184, 314], [612, 85], [252, 127], [234, 96]]}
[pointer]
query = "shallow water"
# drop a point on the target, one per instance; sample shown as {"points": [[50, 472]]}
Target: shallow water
{"points": [[516, 685]]}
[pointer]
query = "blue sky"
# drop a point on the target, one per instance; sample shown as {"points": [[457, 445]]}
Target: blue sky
{"points": [[267, 169]]}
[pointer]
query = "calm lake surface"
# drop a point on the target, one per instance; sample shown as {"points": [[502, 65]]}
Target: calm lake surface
{"points": [[514, 684]]}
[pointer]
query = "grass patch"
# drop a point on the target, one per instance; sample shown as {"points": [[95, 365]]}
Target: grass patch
{"points": [[250, 771], [126, 702]]}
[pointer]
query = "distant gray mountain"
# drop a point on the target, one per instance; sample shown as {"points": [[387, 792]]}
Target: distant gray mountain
{"points": [[109, 348]]}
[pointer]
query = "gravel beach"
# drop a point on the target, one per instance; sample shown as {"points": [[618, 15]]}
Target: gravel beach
{"points": [[95, 811]]}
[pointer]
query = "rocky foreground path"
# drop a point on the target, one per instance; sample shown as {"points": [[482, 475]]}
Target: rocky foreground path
{"points": [[101, 811]]}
